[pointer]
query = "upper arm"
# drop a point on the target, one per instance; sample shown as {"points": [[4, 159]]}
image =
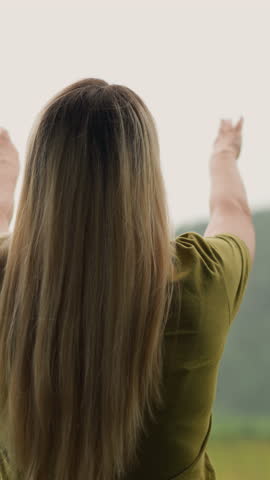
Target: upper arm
{"points": [[220, 267], [235, 264], [235, 221]]}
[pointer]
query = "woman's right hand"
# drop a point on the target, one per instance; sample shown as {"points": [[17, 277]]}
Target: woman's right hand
{"points": [[229, 138]]}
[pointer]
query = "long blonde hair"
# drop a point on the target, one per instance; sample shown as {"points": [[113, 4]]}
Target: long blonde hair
{"points": [[88, 278]]}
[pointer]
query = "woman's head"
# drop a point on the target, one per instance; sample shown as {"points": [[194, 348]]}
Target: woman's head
{"points": [[87, 286]]}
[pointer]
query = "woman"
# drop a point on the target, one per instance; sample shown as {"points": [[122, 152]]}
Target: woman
{"points": [[111, 331]]}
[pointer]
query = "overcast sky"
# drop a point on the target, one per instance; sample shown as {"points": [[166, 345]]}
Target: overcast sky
{"points": [[192, 62]]}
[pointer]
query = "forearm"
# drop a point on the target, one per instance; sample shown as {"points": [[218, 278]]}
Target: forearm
{"points": [[4, 224], [6, 209], [227, 187], [6, 201]]}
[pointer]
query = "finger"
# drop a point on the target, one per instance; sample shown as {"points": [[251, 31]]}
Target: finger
{"points": [[3, 132], [226, 125], [239, 125], [221, 124]]}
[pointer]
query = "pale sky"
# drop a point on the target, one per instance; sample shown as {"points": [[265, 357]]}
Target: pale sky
{"points": [[192, 62]]}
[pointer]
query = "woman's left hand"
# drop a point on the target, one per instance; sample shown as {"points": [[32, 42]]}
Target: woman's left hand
{"points": [[229, 138], [9, 172]]}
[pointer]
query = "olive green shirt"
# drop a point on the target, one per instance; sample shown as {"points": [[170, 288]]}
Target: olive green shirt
{"points": [[174, 446]]}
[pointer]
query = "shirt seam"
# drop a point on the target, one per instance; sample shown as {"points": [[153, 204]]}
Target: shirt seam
{"points": [[202, 452]]}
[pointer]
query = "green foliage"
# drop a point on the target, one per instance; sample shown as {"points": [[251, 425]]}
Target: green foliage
{"points": [[244, 380], [240, 427]]}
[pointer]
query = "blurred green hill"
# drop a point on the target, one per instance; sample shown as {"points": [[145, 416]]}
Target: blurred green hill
{"points": [[244, 379]]}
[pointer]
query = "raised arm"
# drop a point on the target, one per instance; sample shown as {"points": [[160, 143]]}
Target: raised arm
{"points": [[9, 171], [229, 209]]}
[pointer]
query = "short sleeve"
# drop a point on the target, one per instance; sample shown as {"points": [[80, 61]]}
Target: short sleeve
{"points": [[219, 268], [235, 264], [215, 274]]}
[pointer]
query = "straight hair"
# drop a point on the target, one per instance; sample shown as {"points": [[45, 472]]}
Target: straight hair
{"points": [[88, 276]]}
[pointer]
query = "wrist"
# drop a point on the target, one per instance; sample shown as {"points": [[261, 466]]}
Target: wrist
{"points": [[222, 161]]}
